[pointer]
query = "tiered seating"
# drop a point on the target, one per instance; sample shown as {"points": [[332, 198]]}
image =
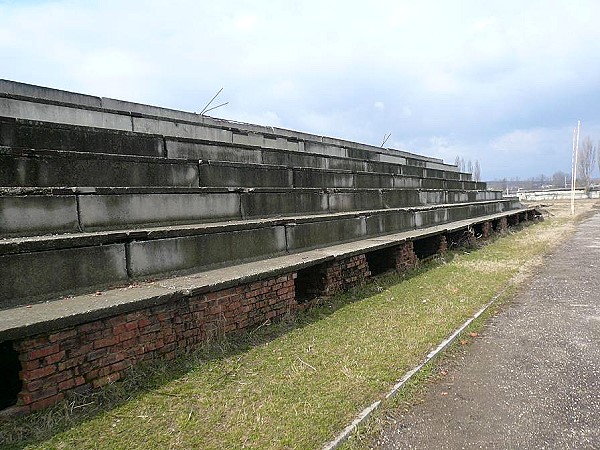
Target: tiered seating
{"points": [[98, 194]]}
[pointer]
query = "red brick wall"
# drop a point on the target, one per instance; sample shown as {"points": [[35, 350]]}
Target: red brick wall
{"points": [[502, 226], [406, 257], [96, 353], [486, 229], [342, 274]]}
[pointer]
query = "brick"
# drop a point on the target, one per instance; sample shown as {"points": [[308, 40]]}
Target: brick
{"points": [[97, 354], [81, 350], [62, 335], [32, 397], [47, 402], [130, 326], [115, 321], [29, 344], [70, 363], [37, 373], [90, 327], [66, 385], [105, 342], [30, 365], [53, 359], [44, 351]]}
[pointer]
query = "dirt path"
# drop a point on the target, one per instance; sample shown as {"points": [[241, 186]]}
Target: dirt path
{"points": [[532, 379]]}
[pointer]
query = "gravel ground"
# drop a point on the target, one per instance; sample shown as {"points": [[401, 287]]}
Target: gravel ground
{"points": [[531, 380]]}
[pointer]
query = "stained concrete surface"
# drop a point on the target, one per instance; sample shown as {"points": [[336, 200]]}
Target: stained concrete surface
{"points": [[532, 379]]}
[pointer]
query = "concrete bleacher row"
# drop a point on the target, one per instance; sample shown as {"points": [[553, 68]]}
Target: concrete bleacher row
{"points": [[35, 211], [102, 259], [35, 103], [49, 168], [98, 196]]}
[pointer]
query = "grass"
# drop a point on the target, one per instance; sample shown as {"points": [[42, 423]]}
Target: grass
{"points": [[298, 383]]}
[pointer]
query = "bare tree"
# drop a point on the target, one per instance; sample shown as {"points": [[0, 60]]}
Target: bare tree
{"points": [[469, 167], [586, 161], [559, 179], [477, 171], [457, 162]]}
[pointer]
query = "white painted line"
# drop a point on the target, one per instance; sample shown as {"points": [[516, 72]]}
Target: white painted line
{"points": [[366, 413]]}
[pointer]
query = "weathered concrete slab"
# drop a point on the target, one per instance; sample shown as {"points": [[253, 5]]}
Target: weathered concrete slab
{"points": [[434, 173], [403, 182], [382, 167], [387, 222], [14, 88], [30, 277], [51, 136], [305, 177], [25, 215], [399, 198], [431, 197], [138, 109], [430, 217], [253, 139], [454, 184], [68, 169], [413, 161], [213, 152], [413, 171], [284, 203], [183, 130], [374, 180], [134, 210], [305, 236], [353, 165], [22, 109], [357, 152], [434, 183], [294, 159], [324, 149], [204, 251], [237, 175], [392, 159], [355, 200]]}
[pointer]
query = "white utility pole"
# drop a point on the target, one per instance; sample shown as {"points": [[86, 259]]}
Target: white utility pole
{"points": [[574, 165]]}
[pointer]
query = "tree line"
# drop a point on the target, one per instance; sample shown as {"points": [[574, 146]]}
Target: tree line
{"points": [[468, 167], [587, 156]]}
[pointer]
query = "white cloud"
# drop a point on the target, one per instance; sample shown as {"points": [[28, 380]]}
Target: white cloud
{"points": [[496, 81]]}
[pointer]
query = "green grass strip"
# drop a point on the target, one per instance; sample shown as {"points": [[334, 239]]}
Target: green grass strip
{"points": [[295, 384]]}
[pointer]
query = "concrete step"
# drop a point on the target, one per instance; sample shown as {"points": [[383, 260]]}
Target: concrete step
{"points": [[22, 168], [33, 269], [32, 135], [234, 174], [51, 168], [26, 102], [189, 149], [38, 211]]}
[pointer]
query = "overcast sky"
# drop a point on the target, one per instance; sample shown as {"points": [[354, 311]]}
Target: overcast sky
{"points": [[502, 82]]}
